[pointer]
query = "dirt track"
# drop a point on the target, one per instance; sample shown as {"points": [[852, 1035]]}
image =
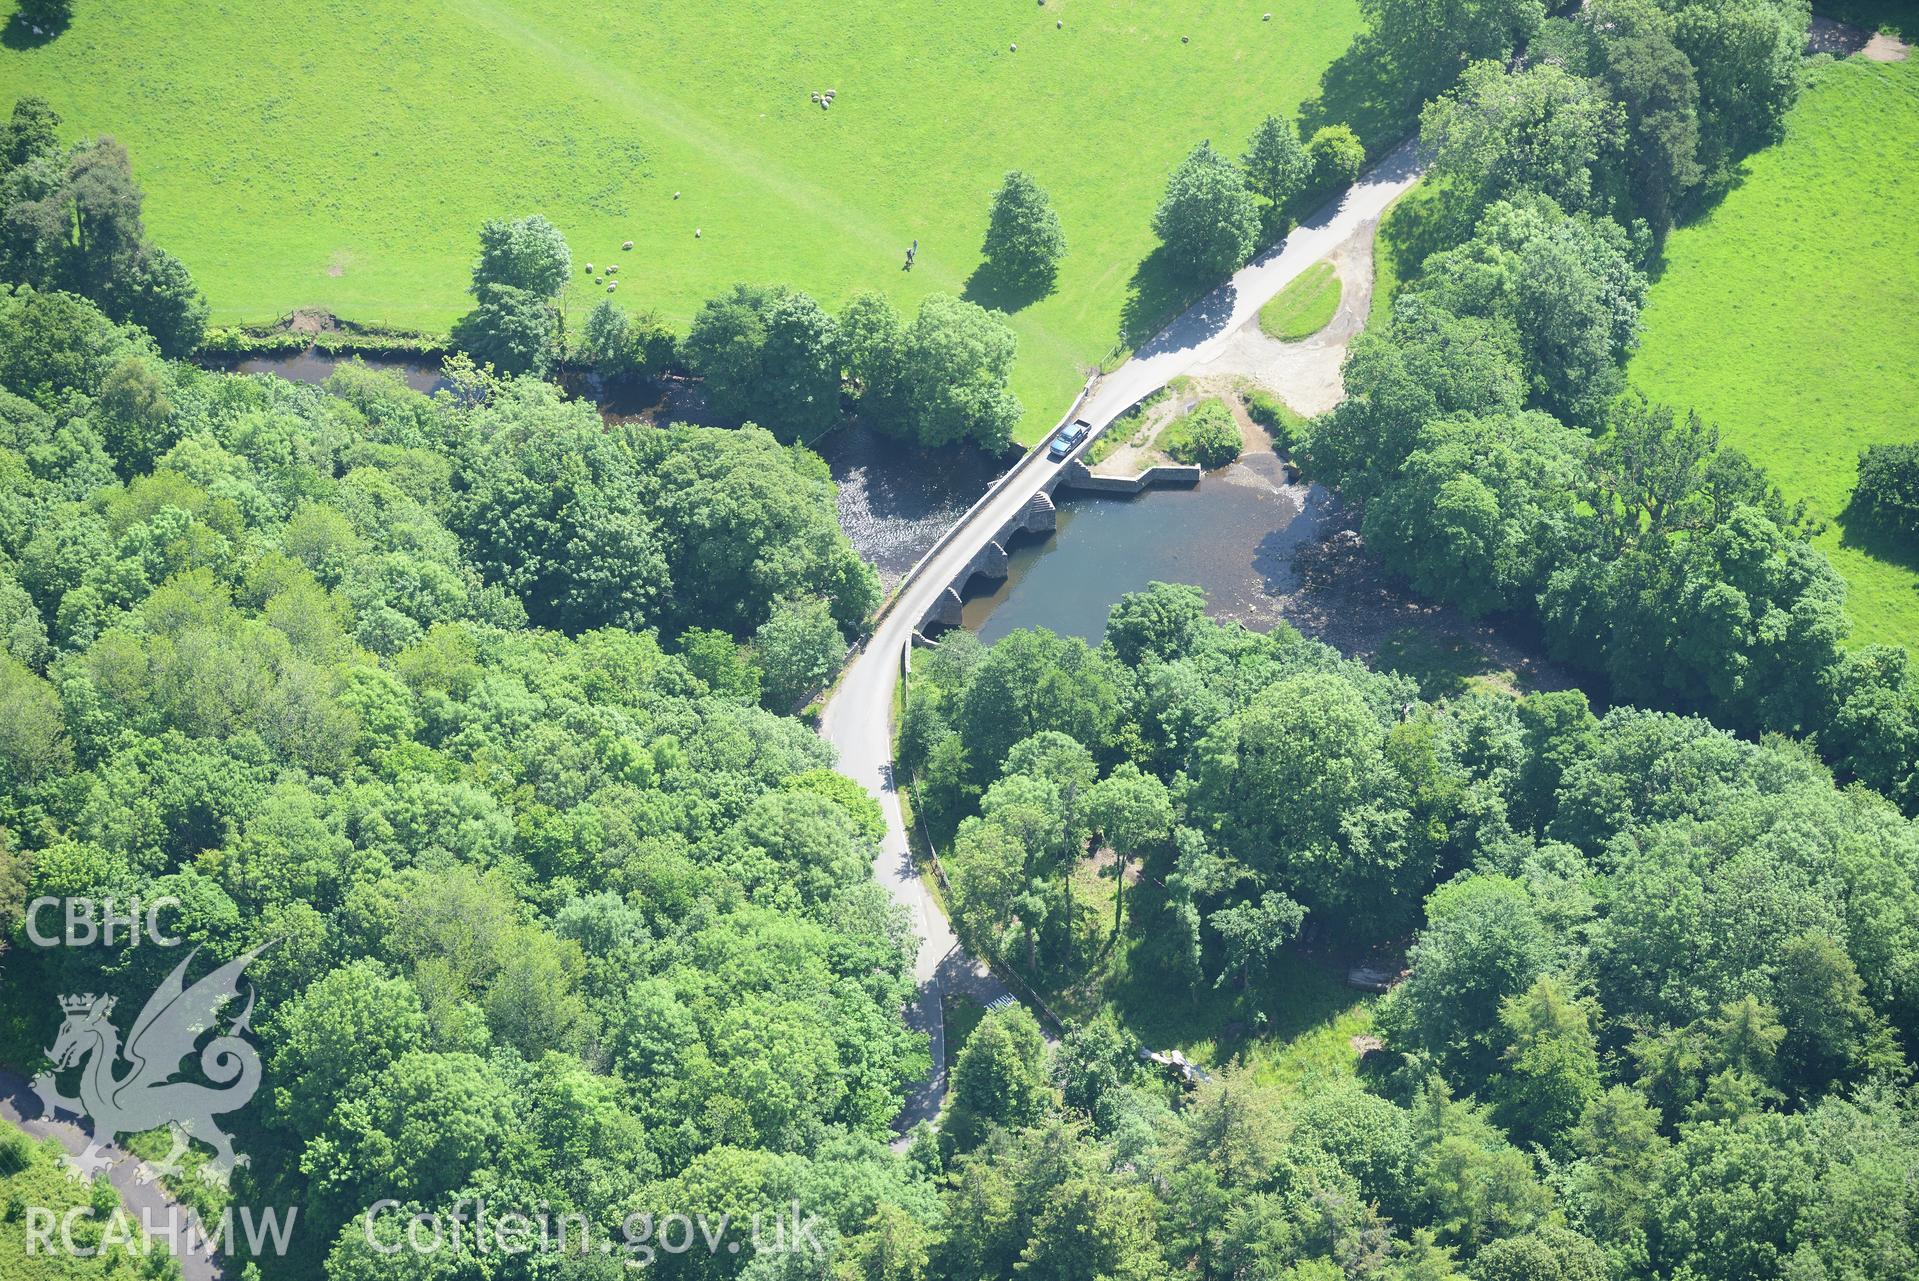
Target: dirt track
{"points": [[1305, 374]]}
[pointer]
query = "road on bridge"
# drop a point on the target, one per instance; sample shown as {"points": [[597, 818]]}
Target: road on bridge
{"points": [[858, 717]]}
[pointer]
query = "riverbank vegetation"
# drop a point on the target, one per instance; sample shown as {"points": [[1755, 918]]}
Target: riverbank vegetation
{"points": [[647, 126], [1207, 436], [34, 1174], [1500, 467], [1647, 958], [455, 702], [463, 717]]}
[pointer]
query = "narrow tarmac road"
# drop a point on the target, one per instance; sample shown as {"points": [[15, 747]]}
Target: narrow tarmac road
{"points": [[148, 1204], [858, 718]]}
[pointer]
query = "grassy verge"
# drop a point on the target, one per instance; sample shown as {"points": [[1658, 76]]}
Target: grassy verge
{"points": [[1418, 223], [352, 173], [1304, 307], [1127, 429], [1272, 413], [1786, 316], [916, 842]]}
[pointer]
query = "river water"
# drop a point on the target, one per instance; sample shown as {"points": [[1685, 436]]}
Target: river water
{"points": [[1233, 536], [896, 500], [313, 366]]}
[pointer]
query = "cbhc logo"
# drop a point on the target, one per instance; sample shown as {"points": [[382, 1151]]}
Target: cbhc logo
{"points": [[90, 921]]}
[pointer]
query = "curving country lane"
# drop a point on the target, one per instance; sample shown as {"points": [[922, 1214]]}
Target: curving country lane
{"points": [[858, 717], [149, 1206]]}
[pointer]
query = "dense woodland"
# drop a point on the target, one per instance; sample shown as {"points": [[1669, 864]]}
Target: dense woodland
{"points": [[1658, 998], [481, 708], [560, 900], [1488, 438], [1640, 1036]]}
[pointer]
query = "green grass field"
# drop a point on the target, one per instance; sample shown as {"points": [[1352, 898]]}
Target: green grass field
{"points": [[1790, 315], [1304, 307], [345, 159]]}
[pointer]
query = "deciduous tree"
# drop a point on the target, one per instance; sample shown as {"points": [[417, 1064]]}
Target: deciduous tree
{"points": [[1207, 221], [1277, 169], [1024, 241]]}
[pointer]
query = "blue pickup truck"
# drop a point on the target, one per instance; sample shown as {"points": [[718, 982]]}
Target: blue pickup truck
{"points": [[1068, 438]]}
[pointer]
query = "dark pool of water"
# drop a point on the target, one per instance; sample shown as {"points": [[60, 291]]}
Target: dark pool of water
{"points": [[312, 366], [1233, 537]]}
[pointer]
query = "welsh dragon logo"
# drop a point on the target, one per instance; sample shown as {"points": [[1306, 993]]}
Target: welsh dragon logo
{"points": [[131, 1088]]}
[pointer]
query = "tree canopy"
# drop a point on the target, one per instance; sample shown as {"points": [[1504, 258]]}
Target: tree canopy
{"points": [[559, 920], [1024, 240], [70, 219], [1207, 222]]}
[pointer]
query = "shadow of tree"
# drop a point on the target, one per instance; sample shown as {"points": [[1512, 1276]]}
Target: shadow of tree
{"points": [[1873, 15], [1002, 291], [1697, 205], [1154, 293], [1860, 530], [1431, 217], [1362, 89], [1162, 300], [36, 23], [1147, 988], [1443, 664]]}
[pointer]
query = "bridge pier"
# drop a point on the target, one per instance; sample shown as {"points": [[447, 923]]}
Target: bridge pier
{"points": [[991, 561], [1040, 515], [946, 611]]}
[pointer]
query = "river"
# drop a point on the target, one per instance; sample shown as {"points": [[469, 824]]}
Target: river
{"points": [[1233, 536], [313, 366]]}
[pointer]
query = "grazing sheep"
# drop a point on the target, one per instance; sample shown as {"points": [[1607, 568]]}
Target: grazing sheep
{"points": [[696, 233], [611, 285], [629, 244], [589, 269], [1014, 48], [612, 270], [1059, 22], [1183, 39]]}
